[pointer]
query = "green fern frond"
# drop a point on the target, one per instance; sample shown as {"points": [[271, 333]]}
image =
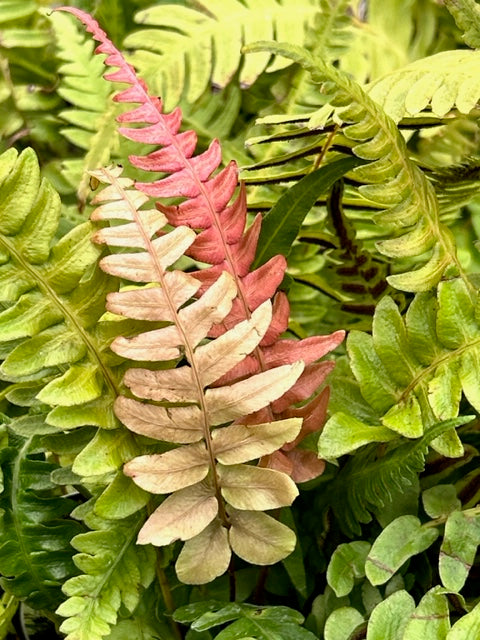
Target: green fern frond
{"points": [[456, 186], [413, 371], [389, 36], [17, 9], [389, 178], [442, 82], [329, 38], [368, 482], [331, 33], [467, 16], [91, 116], [185, 48], [96, 597], [53, 299], [217, 115], [375, 476], [35, 551], [27, 77], [448, 144]]}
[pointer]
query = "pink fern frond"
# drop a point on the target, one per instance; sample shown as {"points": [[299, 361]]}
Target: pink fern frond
{"points": [[218, 216]]}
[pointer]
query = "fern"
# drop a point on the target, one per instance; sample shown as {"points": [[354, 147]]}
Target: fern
{"points": [[27, 78], [96, 597], [217, 382], [55, 360], [369, 482], [259, 623], [329, 38], [391, 178], [204, 45], [352, 275], [388, 38], [412, 373], [375, 478], [441, 82], [91, 116], [223, 243], [35, 551], [44, 327], [189, 471], [55, 351], [216, 116], [467, 17]]}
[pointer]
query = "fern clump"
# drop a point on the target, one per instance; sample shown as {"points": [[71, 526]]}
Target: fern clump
{"points": [[211, 506], [172, 463]]}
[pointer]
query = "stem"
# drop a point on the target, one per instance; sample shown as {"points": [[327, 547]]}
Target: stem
{"points": [[232, 580], [474, 511], [167, 597], [260, 586], [325, 148]]}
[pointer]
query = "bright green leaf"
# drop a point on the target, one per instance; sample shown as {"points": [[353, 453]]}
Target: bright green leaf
{"points": [[459, 547], [341, 623], [399, 541], [440, 500], [389, 618], [467, 627], [343, 434], [346, 564], [431, 619]]}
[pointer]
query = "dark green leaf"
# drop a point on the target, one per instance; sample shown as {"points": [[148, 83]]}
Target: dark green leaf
{"points": [[282, 224]]}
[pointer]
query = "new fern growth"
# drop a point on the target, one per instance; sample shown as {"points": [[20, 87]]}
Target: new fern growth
{"points": [[244, 377]]}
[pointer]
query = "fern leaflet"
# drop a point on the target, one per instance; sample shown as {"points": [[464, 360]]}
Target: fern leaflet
{"points": [[413, 372]]}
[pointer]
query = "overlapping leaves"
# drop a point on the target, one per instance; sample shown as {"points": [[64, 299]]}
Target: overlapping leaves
{"points": [[224, 243], [258, 622], [96, 596], [437, 83], [53, 348], [389, 179], [27, 76], [35, 535], [209, 468], [91, 116], [193, 45], [413, 371], [401, 540]]}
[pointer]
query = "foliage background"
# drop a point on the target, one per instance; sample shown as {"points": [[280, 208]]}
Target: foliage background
{"points": [[387, 536]]}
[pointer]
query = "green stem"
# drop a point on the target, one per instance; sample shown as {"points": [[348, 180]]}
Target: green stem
{"points": [[167, 597], [474, 511]]}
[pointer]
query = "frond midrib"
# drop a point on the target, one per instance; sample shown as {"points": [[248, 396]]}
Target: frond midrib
{"points": [[425, 372], [129, 536], [189, 348], [69, 316]]}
